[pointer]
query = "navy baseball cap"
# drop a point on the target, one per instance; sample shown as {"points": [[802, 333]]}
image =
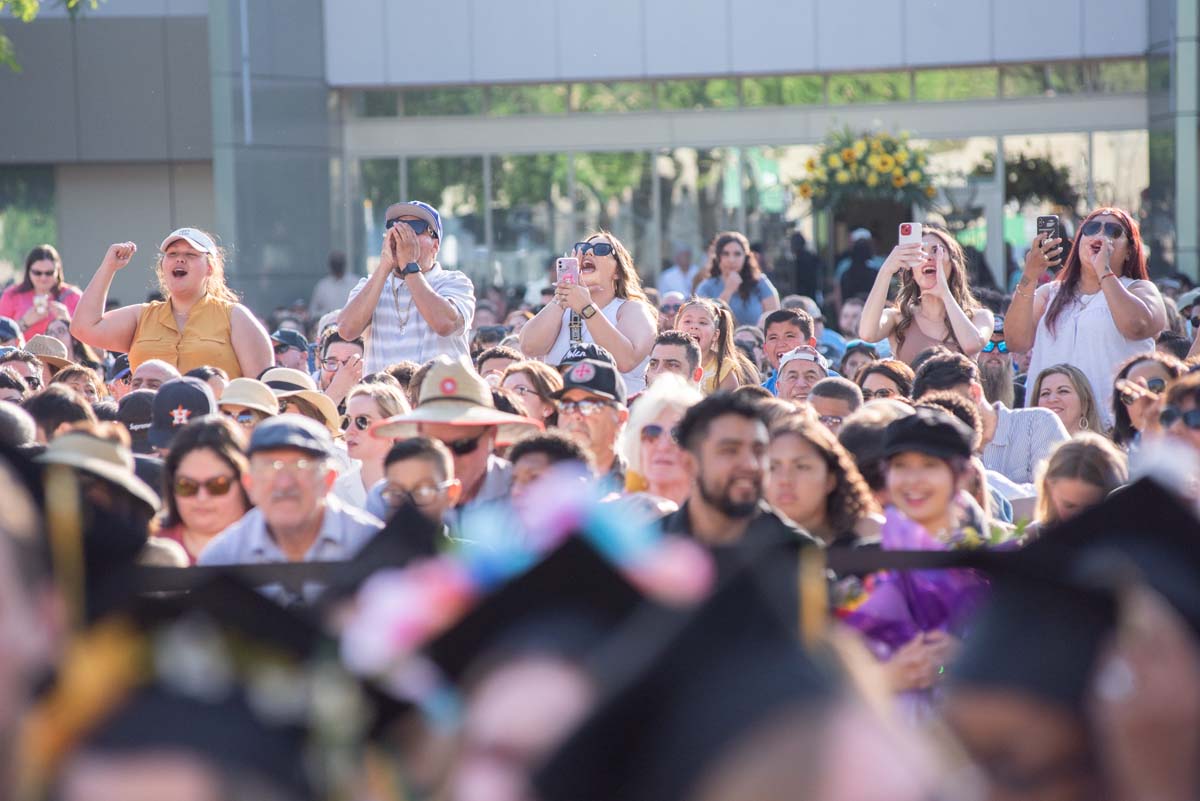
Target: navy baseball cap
{"points": [[929, 431], [585, 350], [293, 339], [291, 431], [9, 328], [120, 368], [597, 378], [135, 411], [424, 211], [177, 403]]}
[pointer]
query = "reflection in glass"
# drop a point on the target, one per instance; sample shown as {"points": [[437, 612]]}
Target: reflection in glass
{"points": [[774, 211], [790, 90], [27, 216], [531, 217], [613, 191], [869, 87], [1031, 80], [699, 94], [957, 84], [1120, 168], [441, 102], [379, 183], [618, 96], [455, 186], [536, 99]]}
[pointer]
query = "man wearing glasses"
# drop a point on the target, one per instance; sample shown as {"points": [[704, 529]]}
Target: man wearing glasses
{"points": [[416, 309], [341, 366]]}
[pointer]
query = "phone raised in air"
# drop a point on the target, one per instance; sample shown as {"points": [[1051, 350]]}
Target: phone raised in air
{"points": [[1047, 225], [567, 269], [910, 233]]}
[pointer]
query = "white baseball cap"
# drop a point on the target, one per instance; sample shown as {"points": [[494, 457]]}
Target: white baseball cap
{"points": [[805, 353], [194, 237], [859, 233]]}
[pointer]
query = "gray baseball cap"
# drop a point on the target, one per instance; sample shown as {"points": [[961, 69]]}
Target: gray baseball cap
{"points": [[291, 431]]}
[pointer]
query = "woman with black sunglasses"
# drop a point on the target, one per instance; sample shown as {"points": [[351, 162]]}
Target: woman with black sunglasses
{"points": [[367, 404], [1139, 379], [606, 307], [1100, 310], [42, 296], [202, 483]]}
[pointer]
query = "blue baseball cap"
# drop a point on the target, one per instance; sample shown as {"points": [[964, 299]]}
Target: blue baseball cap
{"points": [[417, 208], [120, 368], [9, 329], [293, 339], [177, 403], [291, 431]]}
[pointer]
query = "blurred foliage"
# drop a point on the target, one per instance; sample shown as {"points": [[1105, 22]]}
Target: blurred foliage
{"points": [[698, 94], [535, 99], [26, 212], [869, 87], [1029, 179], [442, 102], [27, 11], [791, 90], [609, 97], [957, 84]]}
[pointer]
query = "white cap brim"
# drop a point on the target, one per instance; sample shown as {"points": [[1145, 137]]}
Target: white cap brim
{"points": [[195, 238]]}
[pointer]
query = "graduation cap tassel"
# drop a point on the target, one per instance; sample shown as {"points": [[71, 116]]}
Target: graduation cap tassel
{"points": [[64, 524], [812, 594]]}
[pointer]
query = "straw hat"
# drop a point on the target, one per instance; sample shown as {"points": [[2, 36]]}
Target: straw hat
{"points": [[251, 394], [100, 457], [286, 383], [285, 379], [454, 394], [49, 350]]}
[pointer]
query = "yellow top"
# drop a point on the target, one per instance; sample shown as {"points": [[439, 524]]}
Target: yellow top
{"points": [[206, 338], [710, 382]]}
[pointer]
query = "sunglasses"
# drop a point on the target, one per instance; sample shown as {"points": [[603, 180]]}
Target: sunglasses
{"points": [[1111, 230], [463, 447], [190, 488], [1130, 392], [491, 332], [419, 226], [41, 273], [245, 417], [1171, 415], [282, 349], [1001, 346], [360, 421], [651, 432], [670, 308], [598, 248]]}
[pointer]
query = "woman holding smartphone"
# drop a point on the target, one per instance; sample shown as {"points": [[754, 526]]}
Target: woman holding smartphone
{"points": [[934, 306], [612, 309], [42, 296], [1101, 309]]}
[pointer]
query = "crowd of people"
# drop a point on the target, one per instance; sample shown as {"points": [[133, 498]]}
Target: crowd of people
{"points": [[686, 541]]}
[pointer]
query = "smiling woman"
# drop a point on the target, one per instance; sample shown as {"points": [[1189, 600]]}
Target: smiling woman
{"points": [[43, 296], [200, 322]]}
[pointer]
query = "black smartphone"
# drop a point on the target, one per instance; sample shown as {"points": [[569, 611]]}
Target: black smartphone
{"points": [[1048, 225]]}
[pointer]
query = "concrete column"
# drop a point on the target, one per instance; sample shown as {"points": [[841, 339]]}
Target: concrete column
{"points": [[1186, 94]]}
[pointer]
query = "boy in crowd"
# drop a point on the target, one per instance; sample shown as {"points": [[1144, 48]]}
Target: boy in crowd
{"points": [[834, 399], [421, 469], [784, 330]]}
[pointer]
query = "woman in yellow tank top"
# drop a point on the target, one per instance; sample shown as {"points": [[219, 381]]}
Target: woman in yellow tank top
{"points": [[199, 323]]}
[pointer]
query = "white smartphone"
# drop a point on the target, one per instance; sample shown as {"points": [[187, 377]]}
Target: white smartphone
{"points": [[910, 233]]}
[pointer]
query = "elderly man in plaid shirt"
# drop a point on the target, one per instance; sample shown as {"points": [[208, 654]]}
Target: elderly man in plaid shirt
{"points": [[416, 309]]}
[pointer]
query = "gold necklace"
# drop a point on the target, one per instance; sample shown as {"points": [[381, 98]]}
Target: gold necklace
{"points": [[396, 303]]}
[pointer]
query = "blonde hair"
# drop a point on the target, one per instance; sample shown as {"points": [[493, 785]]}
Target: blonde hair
{"points": [[390, 400], [1088, 457], [668, 392], [1089, 413], [214, 284]]}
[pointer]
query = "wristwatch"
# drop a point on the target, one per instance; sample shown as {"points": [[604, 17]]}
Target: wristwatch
{"points": [[589, 311], [412, 268]]}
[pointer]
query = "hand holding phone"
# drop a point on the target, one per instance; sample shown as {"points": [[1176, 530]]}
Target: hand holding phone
{"points": [[911, 233], [567, 270], [1048, 227]]}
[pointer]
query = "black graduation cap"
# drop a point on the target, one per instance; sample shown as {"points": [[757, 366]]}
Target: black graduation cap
{"points": [[566, 604], [685, 688], [1054, 604]]}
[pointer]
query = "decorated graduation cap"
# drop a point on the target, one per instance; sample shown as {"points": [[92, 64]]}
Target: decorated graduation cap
{"points": [[222, 674], [685, 689], [1054, 604]]}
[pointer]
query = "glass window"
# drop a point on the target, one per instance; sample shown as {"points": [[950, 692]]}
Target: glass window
{"points": [[1120, 168], [531, 217], [441, 102], [957, 84], [1030, 80], [538, 99], [774, 211], [455, 186], [1158, 210], [701, 94], [1117, 76], [614, 191], [26, 214], [790, 90], [1044, 174], [618, 96], [377, 103], [379, 182], [869, 87], [1158, 73], [695, 202]]}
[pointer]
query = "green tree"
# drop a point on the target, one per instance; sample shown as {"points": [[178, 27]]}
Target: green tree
{"points": [[27, 11]]}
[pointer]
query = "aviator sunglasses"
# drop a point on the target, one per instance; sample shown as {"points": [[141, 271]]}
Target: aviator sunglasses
{"points": [[190, 488], [1111, 230]]}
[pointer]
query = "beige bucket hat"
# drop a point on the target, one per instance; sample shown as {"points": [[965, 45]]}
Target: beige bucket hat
{"points": [[100, 457], [49, 350], [251, 394], [454, 394]]}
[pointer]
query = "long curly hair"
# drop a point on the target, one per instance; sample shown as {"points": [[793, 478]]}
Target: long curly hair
{"points": [[1134, 266], [908, 299], [851, 499], [750, 272]]}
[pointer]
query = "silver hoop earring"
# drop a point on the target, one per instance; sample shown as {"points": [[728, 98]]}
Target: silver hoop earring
{"points": [[1083, 423]]}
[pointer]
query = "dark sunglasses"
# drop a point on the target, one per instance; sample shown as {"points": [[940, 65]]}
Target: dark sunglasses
{"points": [[281, 349], [41, 273], [1154, 386], [1171, 415], [188, 488], [1001, 346], [463, 447], [1111, 230], [360, 422], [599, 248], [244, 417], [651, 432], [419, 226], [670, 308]]}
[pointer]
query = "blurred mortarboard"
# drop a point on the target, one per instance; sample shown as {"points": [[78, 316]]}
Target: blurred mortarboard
{"points": [[567, 604], [685, 688], [1054, 604]]}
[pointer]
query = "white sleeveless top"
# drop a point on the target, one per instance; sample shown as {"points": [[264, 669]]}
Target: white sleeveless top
{"points": [[1087, 338], [635, 379]]}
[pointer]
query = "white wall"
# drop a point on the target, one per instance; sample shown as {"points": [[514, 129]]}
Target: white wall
{"points": [[372, 42]]}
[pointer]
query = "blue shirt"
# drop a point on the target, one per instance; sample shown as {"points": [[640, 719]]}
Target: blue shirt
{"points": [[746, 311]]}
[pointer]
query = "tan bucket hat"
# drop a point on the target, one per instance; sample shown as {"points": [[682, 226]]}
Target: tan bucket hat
{"points": [[49, 350], [251, 394], [454, 394], [100, 457], [285, 379], [286, 382]]}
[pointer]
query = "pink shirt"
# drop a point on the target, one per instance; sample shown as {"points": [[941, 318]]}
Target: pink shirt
{"points": [[15, 304]]}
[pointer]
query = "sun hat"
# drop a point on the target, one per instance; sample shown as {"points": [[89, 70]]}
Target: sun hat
{"points": [[286, 383], [454, 394], [197, 239], [251, 394], [50, 350], [287, 379], [109, 460]]}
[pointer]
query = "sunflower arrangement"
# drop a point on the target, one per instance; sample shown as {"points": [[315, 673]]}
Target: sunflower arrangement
{"points": [[866, 166]]}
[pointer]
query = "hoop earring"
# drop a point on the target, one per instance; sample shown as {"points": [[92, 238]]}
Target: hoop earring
{"points": [[1083, 424]]}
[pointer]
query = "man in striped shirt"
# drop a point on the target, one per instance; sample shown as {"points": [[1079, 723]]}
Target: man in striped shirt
{"points": [[416, 310]]}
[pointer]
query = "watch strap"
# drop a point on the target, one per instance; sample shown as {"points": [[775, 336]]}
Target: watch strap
{"points": [[412, 268]]}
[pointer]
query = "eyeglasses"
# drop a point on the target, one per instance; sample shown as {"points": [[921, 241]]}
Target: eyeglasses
{"points": [[670, 308], [879, 393], [277, 466], [419, 226], [359, 421], [333, 365], [651, 432], [1111, 230], [1171, 415], [245, 418], [421, 495], [463, 447], [599, 248], [584, 407], [190, 488], [41, 273], [281, 349], [1001, 346]]}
